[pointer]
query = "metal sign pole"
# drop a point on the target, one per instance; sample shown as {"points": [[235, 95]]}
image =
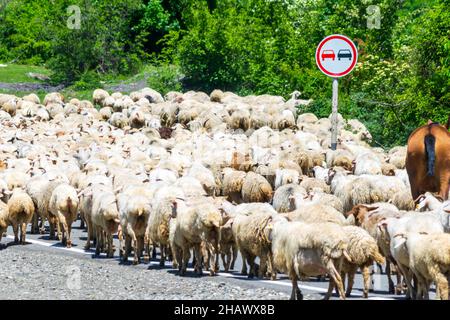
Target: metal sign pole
{"points": [[334, 116]]}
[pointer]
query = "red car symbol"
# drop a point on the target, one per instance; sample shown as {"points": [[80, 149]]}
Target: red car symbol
{"points": [[328, 54]]}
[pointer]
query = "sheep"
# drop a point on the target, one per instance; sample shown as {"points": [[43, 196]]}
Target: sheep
{"points": [[255, 188], [216, 95], [32, 98], [104, 219], [63, 205], [285, 176], [367, 163], [301, 250], [283, 198], [397, 157], [340, 158], [438, 209], [10, 106], [306, 118], [312, 212], [106, 112], [119, 120], [4, 221], [393, 231], [312, 183], [164, 209], [317, 196], [195, 224], [205, 177], [388, 169], [227, 246], [53, 98], [232, 185], [99, 96], [363, 251], [250, 235], [134, 208], [240, 119], [430, 261], [368, 217], [20, 213]]}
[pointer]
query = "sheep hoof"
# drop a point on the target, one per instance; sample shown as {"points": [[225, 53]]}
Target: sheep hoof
{"points": [[251, 276], [135, 262], [161, 263], [146, 259]]}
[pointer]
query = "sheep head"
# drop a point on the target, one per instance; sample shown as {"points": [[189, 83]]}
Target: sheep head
{"points": [[359, 213]]}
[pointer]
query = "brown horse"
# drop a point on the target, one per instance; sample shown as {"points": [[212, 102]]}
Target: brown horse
{"points": [[428, 159]]}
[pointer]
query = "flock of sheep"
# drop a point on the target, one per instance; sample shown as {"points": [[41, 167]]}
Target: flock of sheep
{"points": [[220, 174]]}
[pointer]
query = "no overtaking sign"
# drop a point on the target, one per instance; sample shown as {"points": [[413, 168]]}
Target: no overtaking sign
{"points": [[336, 56]]}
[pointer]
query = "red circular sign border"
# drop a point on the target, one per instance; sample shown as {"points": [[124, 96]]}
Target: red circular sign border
{"points": [[352, 45]]}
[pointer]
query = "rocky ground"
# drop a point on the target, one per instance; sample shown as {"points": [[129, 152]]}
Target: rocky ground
{"points": [[28, 273]]}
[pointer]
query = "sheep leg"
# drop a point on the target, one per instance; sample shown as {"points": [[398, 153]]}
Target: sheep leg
{"points": [[271, 266], [109, 240], [42, 225], [216, 258], [235, 252], [296, 293], [163, 255], [336, 277], [82, 222], [64, 235], [184, 260], [350, 282], [52, 229], [366, 277], [251, 263], [89, 235], [153, 251], [262, 267], [226, 264], [98, 234], [16, 232], [127, 248], [388, 274], [69, 232], [198, 259], [23, 232], [408, 279], [421, 284], [140, 247], [244, 264], [35, 223], [132, 236], [441, 286]]}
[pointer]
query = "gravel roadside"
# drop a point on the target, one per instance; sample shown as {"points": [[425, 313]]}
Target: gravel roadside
{"points": [[27, 273]]}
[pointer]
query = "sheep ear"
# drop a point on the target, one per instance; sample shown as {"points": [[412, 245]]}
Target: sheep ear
{"points": [[401, 242], [419, 198]]}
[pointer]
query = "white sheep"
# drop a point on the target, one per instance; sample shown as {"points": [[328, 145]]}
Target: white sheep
{"points": [[20, 213], [63, 205], [301, 250]]}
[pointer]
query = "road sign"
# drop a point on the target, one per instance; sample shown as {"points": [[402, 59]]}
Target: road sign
{"points": [[336, 55]]}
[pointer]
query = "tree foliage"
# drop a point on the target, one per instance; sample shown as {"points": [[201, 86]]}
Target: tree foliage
{"points": [[251, 47]]}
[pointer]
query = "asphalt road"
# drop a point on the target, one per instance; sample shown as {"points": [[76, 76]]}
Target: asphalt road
{"points": [[312, 289]]}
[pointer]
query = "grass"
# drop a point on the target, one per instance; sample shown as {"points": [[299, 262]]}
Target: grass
{"points": [[161, 78], [15, 73]]}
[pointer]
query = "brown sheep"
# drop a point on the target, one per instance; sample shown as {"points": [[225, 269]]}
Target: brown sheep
{"points": [[428, 160]]}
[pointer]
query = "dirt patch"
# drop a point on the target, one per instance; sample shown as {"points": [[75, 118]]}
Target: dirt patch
{"points": [[30, 87]]}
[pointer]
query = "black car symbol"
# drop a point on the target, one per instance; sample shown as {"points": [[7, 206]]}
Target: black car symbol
{"points": [[344, 53]]}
